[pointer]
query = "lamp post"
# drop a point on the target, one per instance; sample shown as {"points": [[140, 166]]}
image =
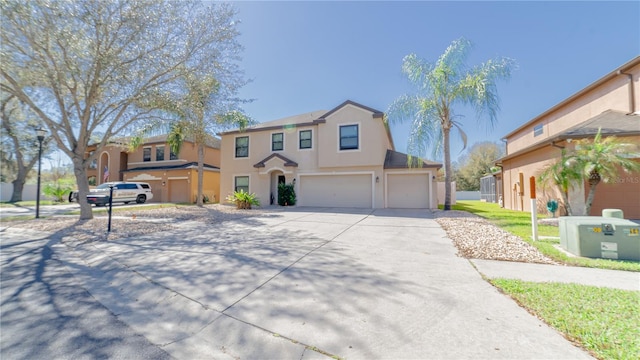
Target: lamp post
{"points": [[40, 134]]}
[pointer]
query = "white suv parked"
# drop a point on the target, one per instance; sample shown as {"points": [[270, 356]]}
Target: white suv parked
{"points": [[124, 192]]}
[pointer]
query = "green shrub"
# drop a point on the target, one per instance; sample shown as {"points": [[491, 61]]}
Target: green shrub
{"points": [[57, 191], [243, 200], [286, 195]]}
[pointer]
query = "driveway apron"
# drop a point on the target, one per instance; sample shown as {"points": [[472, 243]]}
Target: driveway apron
{"points": [[310, 283]]}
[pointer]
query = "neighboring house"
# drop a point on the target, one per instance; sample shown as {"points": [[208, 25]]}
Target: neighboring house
{"points": [[344, 157], [610, 103], [173, 177]]}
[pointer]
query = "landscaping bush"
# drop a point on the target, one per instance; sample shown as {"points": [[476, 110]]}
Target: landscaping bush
{"points": [[57, 191], [243, 200], [286, 195]]}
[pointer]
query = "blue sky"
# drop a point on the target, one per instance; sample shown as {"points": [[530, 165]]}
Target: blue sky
{"points": [[305, 56]]}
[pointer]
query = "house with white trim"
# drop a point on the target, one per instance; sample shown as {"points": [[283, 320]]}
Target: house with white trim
{"points": [[344, 157], [173, 176]]}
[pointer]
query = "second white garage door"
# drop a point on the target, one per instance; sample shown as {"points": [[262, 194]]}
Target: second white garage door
{"points": [[408, 191], [336, 190]]}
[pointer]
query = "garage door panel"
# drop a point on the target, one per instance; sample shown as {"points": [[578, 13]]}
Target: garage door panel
{"points": [[179, 191], [336, 191], [408, 191]]}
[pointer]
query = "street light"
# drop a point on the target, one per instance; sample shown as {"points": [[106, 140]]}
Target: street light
{"points": [[40, 134]]}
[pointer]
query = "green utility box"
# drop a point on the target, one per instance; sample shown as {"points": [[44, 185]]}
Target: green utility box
{"points": [[600, 237]]}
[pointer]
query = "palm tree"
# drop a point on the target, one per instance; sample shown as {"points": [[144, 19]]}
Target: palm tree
{"points": [[561, 174], [440, 87], [196, 111], [600, 160]]}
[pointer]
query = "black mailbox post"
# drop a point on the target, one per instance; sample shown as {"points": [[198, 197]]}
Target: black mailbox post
{"points": [[110, 204]]}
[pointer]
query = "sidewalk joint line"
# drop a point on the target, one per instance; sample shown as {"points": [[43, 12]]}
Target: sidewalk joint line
{"points": [[297, 261]]}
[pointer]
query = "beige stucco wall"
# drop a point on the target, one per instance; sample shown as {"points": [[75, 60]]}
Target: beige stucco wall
{"points": [[373, 141], [160, 182], [117, 158], [188, 153], [609, 93], [623, 194], [613, 94], [323, 158]]}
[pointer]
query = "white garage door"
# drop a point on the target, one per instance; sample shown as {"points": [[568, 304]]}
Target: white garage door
{"points": [[336, 190], [408, 191]]}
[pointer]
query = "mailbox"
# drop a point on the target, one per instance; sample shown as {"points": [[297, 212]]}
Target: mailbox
{"points": [[600, 237]]}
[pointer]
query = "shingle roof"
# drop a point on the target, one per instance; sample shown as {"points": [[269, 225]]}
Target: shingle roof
{"points": [[287, 161], [612, 122], [398, 160], [306, 119], [212, 141]]}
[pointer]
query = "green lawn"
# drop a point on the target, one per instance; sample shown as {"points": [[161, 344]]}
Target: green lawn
{"points": [[519, 223], [28, 203], [604, 321]]}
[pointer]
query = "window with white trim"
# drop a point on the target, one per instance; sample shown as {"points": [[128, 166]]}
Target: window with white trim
{"points": [[159, 153], [242, 146], [277, 141], [349, 137], [146, 154], [305, 139], [241, 183]]}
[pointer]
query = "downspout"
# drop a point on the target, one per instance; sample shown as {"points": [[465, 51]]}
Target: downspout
{"points": [[632, 100], [500, 197]]}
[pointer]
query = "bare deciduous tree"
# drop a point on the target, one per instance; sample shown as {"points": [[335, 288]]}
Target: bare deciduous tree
{"points": [[84, 67]]}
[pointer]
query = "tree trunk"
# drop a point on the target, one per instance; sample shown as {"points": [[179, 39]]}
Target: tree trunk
{"points": [[565, 199], [200, 201], [447, 168], [590, 197], [83, 188], [18, 186]]}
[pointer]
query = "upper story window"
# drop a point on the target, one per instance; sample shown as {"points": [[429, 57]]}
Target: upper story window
{"points": [[538, 130], [172, 154], [305, 139], [277, 141], [94, 162], [159, 153], [146, 154], [242, 146], [348, 137]]}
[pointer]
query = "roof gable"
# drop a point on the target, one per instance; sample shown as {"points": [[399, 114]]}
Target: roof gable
{"points": [[398, 160], [285, 161], [376, 113]]}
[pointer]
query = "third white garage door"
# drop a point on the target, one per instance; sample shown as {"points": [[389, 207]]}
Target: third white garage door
{"points": [[408, 191], [336, 190]]}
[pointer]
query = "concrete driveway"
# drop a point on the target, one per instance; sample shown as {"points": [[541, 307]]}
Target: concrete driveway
{"points": [[310, 283]]}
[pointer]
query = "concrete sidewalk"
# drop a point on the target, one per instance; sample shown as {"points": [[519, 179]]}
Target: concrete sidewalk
{"points": [[624, 280], [310, 284]]}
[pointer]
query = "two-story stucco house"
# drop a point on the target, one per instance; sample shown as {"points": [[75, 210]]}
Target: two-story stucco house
{"points": [[173, 177], [610, 103], [343, 157]]}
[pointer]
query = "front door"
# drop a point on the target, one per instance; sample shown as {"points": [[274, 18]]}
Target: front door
{"points": [[281, 180]]}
